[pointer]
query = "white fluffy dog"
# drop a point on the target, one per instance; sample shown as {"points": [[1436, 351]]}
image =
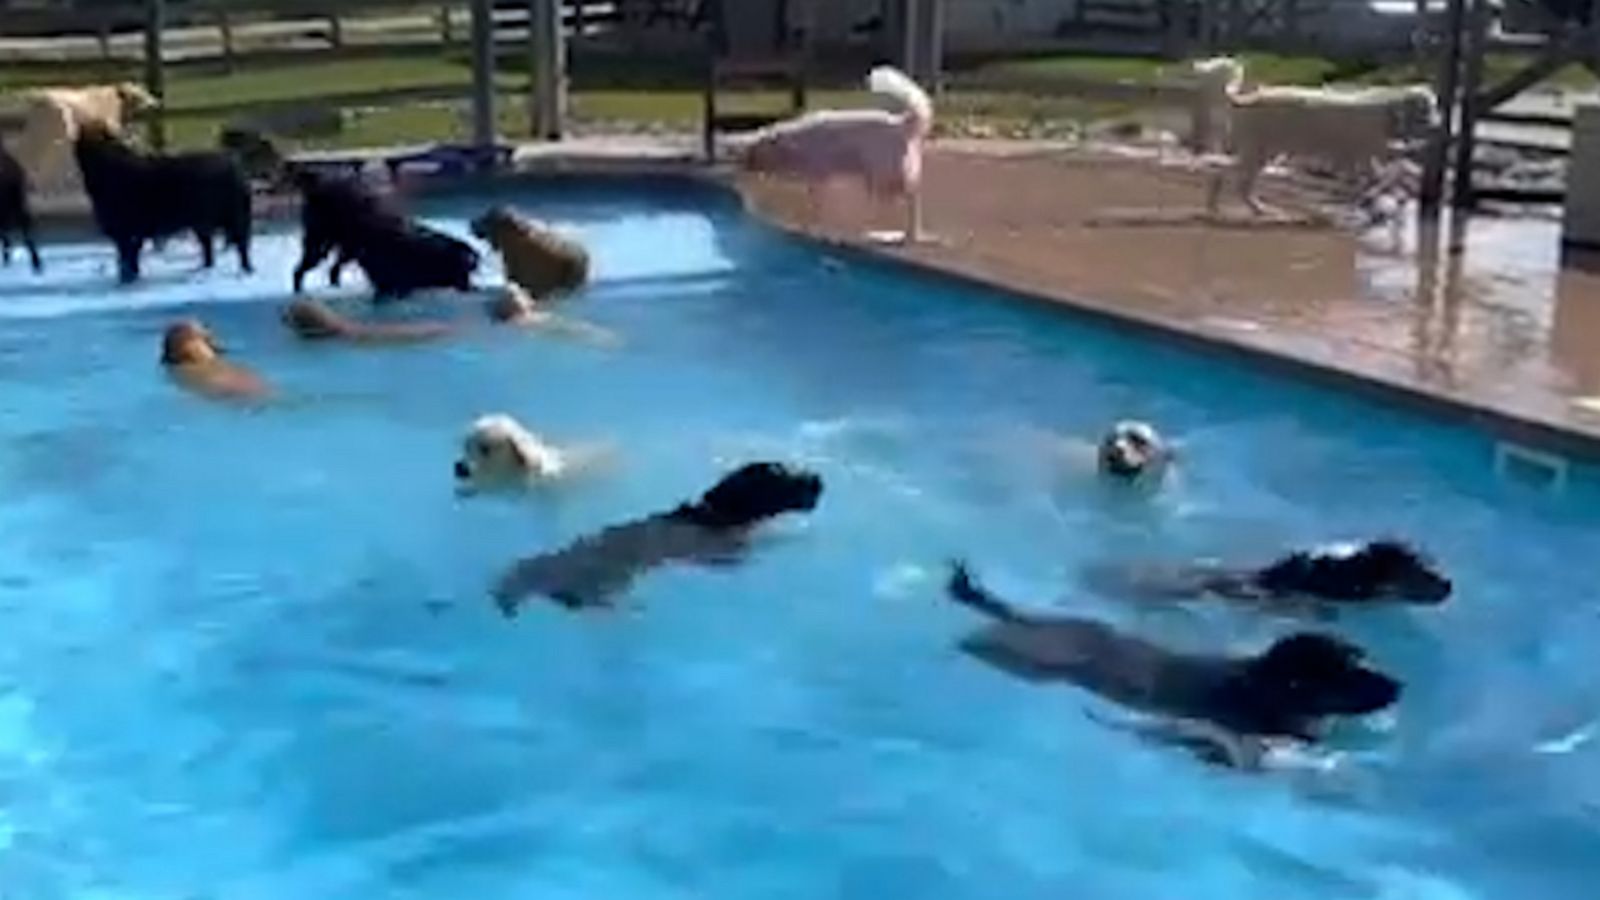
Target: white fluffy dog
{"points": [[880, 148], [1355, 131], [499, 454], [52, 118]]}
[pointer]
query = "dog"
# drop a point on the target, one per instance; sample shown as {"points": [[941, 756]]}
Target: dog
{"points": [[139, 197], [1132, 451], [1371, 573], [1355, 131], [16, 217], [314, 321], [399, 256], [53, 117], [713, 529], [881, 148], [513, 306], [537, 258], [1292, 690], [498, 453], [190, 354]]}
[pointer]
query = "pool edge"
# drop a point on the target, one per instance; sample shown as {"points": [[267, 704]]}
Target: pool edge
{"points": [[1499, 421]]}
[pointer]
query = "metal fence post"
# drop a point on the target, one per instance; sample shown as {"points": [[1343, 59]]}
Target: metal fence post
{"points": [[547, 64], [155, 72], [483, 122]]}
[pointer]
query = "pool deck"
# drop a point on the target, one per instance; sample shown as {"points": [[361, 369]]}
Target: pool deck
{"points": [[1501, 333]]}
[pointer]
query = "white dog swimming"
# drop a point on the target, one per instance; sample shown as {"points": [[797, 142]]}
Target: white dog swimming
{"points": [[498, 453]]}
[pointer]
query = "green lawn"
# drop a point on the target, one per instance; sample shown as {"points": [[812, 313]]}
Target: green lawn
{"points": [[663, 92], [1266, 67]]}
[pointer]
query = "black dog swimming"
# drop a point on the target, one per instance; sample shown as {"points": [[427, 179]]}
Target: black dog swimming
{"points": [[139, 197], [715, 528], [343, 216], [1383, 571], [1288, 691], [16, 217]]}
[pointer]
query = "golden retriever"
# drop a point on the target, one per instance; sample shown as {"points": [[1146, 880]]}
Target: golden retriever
{"points": [[513, 306], [313, 321], [191, 356], [537, 258]]}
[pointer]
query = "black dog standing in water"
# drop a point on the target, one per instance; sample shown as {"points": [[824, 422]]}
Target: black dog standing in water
{"points": [[712, 529], [139, 197], [343, 216], [347, 218], [1376, 572], [1288, 691], [15, 215]]}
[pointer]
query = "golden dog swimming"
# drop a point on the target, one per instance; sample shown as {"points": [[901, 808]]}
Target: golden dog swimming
{"points": [[191, 356], [313, 321]]}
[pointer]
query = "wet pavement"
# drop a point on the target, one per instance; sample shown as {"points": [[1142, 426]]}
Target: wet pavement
{"points": [[1499, 331]]}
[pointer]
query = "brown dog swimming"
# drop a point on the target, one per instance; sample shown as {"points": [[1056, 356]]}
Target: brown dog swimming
{"points": [[313, 321], [191, 356]]}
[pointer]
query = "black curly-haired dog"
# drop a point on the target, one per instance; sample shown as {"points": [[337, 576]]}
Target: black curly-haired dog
{"points": [[16, 217], [1375, 572], [1287, 691], [715, 528], [141, 197]]}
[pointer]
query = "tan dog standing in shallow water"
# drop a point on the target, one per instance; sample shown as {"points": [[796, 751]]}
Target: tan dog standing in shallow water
{"points": [[313, 321], [190, 354], [537, 258]]}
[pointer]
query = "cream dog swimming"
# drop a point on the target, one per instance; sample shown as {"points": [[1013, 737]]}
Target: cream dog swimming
{"points": [[499, 454]]}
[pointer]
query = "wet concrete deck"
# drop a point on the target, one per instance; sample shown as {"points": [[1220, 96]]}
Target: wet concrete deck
{"points": [[1499, 332]]}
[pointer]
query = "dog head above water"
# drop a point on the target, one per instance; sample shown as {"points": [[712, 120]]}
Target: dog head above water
{"points": [[498, 452], [511, 305], [1132, 449], [752, 493], [188, 342], [1379, 570], [1306, 678], [499, 220]]}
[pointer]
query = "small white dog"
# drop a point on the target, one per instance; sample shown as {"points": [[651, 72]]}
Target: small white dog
{"points": [[499, 454]]}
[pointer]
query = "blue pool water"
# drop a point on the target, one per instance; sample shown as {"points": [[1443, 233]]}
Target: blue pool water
{"points": [[250, 654]]}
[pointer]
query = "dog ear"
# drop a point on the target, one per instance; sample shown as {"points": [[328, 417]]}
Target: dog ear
{"points": [[519, 451]]}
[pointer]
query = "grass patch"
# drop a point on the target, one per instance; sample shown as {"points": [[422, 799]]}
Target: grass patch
{"points": [[1267, 67], [657, 91]]}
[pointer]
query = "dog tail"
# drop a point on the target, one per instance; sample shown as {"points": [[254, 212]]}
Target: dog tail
{"points": [[913, 102]]}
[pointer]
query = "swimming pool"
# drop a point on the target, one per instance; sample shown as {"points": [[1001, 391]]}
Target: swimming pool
{"points": [[251, 654]]}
